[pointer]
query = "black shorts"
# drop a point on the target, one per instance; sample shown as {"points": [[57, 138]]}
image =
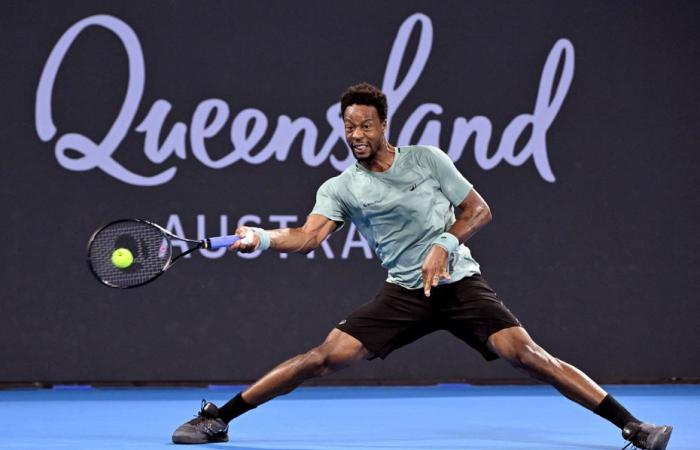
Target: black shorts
{"points": [[468, 308]]}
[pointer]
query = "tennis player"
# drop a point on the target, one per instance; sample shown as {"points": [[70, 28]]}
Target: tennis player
{"points": [[402, 200]]}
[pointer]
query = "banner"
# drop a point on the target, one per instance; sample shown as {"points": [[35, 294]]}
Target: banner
{"points": [[577, 124]]}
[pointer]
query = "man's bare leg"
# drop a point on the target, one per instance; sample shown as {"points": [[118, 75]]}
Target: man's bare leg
{"points": [[517, 347], [338, 351]]}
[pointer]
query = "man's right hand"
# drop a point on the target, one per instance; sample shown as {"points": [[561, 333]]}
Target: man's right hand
{"points": [[435, 268], [248, 243]]}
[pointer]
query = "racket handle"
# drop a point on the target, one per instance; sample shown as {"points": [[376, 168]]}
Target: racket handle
{"points": [[222, 241]]}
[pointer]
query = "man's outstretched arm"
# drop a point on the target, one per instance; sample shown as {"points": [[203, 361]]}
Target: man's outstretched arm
{"points": [[288, 240]]}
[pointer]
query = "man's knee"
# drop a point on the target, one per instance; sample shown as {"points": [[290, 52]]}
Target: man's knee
{"points": [[515, 346], [317, 362], [338, 351], [532, 357]]}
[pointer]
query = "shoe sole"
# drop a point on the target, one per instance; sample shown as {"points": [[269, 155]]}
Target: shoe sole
{"points": [[193, 440]]}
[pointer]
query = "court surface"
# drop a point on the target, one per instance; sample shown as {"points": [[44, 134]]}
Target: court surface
{"points": [[353, 418]]}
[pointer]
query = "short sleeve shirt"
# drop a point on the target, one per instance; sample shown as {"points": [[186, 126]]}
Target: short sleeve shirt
{"points": [[401, 211]]}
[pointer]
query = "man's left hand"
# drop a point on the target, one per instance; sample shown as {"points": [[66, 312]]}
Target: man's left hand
{"points": [[435, 268]]}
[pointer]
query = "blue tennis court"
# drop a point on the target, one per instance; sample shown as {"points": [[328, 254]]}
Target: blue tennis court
{"points": [[342, 418]]}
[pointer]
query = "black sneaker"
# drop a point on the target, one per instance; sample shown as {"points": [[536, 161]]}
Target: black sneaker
{"points": [[206, 427], [647, 435]]}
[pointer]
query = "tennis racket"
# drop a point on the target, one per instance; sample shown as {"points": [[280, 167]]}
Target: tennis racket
{"points": [[132, 252]]}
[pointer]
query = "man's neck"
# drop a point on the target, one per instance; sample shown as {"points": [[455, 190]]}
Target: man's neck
{"points": [[382, 160]]}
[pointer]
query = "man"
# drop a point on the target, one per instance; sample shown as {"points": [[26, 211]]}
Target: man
{"points": [[402, 201]]}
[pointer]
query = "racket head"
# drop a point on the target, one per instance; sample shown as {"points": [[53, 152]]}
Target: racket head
{"points": [[148, 243]]}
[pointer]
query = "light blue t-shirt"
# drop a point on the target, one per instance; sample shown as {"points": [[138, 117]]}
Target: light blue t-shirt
{"points": [[401, 211]]}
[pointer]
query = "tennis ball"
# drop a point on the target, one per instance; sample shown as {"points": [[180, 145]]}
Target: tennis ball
{"points": [[122, 258]]}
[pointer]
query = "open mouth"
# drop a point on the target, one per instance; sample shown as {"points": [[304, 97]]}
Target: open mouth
{"points": [[360, 147]]}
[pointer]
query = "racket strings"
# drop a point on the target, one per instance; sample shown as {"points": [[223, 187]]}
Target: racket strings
{"points": [[150, 248]]}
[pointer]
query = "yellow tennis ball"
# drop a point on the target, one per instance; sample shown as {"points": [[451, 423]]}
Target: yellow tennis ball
{"points": [[122, 258]]}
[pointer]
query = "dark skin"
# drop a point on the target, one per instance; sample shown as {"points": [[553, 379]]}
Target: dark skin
{"points": [[365, 135]]}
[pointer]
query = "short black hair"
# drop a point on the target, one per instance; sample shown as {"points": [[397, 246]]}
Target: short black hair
{"points": [[364, 94]]}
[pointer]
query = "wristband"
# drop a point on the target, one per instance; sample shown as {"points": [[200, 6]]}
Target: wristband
{"points": [[262, 236], [448, 241]]}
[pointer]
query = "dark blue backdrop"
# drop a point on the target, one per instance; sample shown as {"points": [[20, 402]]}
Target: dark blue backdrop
{"points": [[584, 122]]}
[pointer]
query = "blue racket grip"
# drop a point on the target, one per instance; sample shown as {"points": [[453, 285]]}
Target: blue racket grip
{"points": [[223, 241]]}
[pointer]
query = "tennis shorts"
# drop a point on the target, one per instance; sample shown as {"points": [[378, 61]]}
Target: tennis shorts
{"points": [[468, 308]]}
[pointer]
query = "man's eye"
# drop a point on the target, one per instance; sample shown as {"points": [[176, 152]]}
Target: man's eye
{"points": [[366, 127]]}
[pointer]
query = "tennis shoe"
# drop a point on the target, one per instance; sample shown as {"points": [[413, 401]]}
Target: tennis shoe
{"points": [[646, 436], [206, 427]]}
